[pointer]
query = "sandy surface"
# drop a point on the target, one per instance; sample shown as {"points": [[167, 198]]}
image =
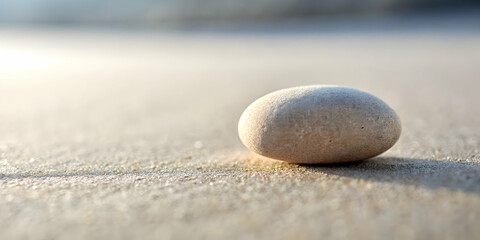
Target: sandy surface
{"points": [[133, 136]]}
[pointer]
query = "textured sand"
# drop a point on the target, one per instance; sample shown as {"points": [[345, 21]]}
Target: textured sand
{"points": [[134, 136]]}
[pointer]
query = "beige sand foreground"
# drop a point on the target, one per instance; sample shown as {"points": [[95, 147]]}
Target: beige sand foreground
{"points": [[133, 136]]}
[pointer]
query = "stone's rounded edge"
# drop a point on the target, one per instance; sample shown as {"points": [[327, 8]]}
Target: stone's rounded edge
{"points": [[248, 131], [254, 121], [397, 130]]}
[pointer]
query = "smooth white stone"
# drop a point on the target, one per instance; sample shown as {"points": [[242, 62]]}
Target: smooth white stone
{"points": [[319, 124]]}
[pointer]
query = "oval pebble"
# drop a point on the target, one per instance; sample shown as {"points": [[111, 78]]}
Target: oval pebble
{"points": [[319, 124]]}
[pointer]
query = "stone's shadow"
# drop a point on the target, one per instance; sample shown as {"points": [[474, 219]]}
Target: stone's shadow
{"points": [[431, 174]]}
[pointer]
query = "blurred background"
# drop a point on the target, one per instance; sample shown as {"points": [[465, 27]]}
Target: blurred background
{"points": [[161, 13]]}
